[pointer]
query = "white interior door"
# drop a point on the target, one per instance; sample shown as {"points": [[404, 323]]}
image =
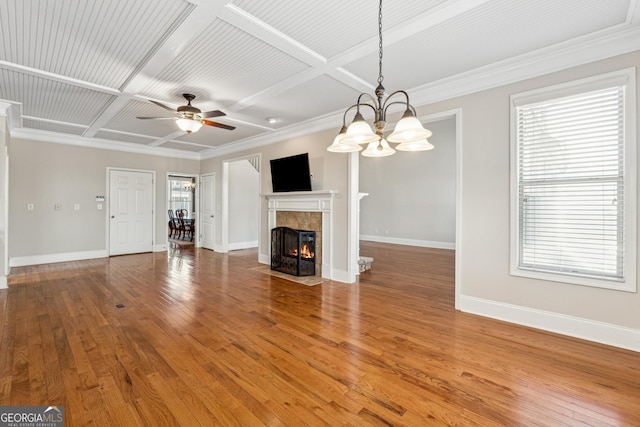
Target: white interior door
{"points": [[207, 214], [130, 212]]}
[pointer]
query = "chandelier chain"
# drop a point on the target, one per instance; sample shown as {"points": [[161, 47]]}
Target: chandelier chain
{"points": [[380, 76]]}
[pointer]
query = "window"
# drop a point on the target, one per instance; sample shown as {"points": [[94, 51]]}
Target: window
{"points": [[181, 194], [573, 182]]}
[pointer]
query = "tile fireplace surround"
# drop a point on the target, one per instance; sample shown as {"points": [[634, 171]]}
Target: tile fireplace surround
{"points": [[307, 201]]}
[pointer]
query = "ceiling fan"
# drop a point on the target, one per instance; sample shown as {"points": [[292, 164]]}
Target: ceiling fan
{"points": [[190, 118]]}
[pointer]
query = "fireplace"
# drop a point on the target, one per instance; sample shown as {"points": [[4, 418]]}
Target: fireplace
{"points": [[293, 251], [303, 203]]}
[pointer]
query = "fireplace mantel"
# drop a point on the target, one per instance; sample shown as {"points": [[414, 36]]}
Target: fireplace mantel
{"points": [[301, 201], [307, 201]]}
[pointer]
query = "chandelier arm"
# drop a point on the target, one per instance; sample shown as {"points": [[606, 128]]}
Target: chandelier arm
{"points": [[364, 104], [388, 98], [376, 104]]}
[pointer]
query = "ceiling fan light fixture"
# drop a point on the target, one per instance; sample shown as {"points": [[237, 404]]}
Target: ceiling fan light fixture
{"points": [[189, 118], [189, 125]]}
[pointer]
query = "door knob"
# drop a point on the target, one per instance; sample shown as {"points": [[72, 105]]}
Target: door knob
{"points": [[113, 216]]}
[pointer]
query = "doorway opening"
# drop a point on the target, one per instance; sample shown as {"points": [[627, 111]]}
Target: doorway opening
{"points": [[240, 203], [181, 209]]}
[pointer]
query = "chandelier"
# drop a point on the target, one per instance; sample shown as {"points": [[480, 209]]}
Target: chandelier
{"points": [[409, 133], [190, 186]]}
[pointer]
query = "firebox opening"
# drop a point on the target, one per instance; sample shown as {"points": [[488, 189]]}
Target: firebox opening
{"points": [[293, 251]]}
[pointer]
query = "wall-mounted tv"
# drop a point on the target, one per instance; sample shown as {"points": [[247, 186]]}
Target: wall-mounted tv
{"points": [[291, 173]]}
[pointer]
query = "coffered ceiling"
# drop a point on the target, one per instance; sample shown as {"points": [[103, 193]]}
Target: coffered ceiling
{"points": [[80, 72]]}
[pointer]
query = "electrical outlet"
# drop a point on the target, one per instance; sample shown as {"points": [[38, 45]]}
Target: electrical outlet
{"points": [[29, 206], [58, 206], [76, 207], [311, 175]]}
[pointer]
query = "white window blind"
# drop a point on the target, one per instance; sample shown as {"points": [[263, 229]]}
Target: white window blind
{"points": [[570, 185]]}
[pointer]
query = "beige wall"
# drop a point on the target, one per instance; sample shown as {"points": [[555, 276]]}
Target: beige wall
{"points": [[4, 139], [412, 195], [45, 174], [484, 203]]}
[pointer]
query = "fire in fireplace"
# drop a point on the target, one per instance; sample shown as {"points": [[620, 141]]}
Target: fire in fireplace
{"points": [[293, 251]]}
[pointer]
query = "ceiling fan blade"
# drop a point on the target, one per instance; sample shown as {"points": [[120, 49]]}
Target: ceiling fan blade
{"points": [[218, 125], [214, 113], [159, 104], [155, 118]]}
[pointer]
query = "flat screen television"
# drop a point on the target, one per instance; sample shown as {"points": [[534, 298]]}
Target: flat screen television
{"points": [[291, 173]]}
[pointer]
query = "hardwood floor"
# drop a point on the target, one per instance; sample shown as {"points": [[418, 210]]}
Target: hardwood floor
{"points": [[204, 340]]}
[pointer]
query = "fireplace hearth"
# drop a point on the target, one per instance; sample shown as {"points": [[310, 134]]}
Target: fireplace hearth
{"points": [[293, 251]]}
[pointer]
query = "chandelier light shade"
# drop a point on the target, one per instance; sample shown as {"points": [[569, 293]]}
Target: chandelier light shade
{"points": [[408, 133], [339, 147], [359, 132], [378, 148], [189, 125], [409, 129], [421, 145]]}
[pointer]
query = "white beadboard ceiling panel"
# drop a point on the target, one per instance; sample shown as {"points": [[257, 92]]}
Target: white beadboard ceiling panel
{"points": [[116, 136], [53, 127], [330, 27], [126, 121], [89, 68], [101, 42], [469, 40], [223, 64], [52, 100], [335, 96]]}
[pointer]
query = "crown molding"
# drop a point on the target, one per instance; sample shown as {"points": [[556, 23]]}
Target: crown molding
{"points": [[102, 144], [327, 121], [583, 50]]}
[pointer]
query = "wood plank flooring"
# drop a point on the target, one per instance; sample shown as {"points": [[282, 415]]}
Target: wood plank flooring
{"points": [[202, 340]]}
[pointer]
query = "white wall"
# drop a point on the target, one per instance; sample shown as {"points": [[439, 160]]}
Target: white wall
{"points": [[244, 205], [484, 283], [412, 195]]}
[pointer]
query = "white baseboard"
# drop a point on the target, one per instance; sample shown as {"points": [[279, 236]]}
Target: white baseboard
{"points": [[243, 245], [408, 242], [604, 333], [340, 276], [160, 247], [51, 258], [264, 259], [3, 282]]}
